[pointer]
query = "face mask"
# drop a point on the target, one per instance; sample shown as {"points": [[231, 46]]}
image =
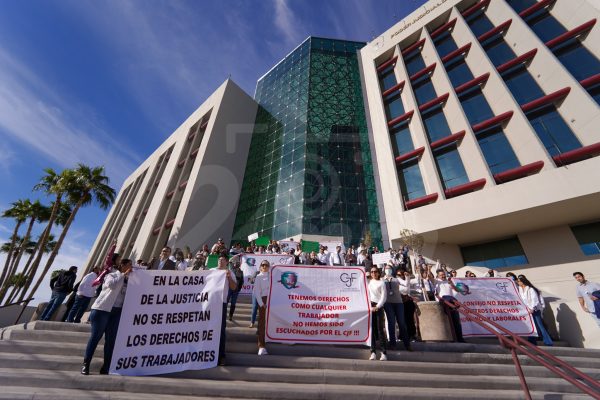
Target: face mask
{"points": [[388, 272]]}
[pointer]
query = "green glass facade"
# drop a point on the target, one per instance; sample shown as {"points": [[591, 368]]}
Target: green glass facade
{"points": [[309, 167]]}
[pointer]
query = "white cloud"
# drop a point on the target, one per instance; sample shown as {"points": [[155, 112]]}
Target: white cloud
{"points": [[7, 158], [287, 23], [34, 114]]}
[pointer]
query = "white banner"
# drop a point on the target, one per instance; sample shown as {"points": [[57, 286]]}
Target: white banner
{"points": [[381, 258], [286, 245], [332, 245], [497, 299], [318, 304], [171, 321], [250, 263], [252, 237]]}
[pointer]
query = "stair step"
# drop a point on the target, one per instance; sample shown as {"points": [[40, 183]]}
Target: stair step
{"points": [[288, 363], [249, 389]]}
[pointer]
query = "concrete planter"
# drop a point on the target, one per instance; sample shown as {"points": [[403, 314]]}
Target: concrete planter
{"points": [[434, 323]]}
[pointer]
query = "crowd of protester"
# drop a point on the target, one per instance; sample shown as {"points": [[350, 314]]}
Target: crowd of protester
{"points": [[395, 289]]}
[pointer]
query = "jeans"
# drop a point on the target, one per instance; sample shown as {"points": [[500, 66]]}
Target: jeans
{"points": [[254, 310], [394, 312], [112, 328], [539, 325], [377, 330], [99, 320], [223, 336], [232, 297], [81, 304], [103, 322], [55, 301]]}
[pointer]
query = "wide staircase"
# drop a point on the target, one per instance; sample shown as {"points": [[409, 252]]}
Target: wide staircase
{"points": [[41, 360]]}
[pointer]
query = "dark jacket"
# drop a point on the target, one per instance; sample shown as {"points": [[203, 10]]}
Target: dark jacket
{"points": [[168, 266], [63, 282]]}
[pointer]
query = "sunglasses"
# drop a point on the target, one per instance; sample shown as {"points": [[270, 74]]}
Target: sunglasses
{"points": [[373, 271]]}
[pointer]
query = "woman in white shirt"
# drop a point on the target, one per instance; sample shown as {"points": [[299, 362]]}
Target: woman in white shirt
{"points": [[105, 315], [378, 297], [535, 305], [262, 284]]}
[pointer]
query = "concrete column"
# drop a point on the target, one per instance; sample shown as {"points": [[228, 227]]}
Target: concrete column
{"points": [[433, 322]]}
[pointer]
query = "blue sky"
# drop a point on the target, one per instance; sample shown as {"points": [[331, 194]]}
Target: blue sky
{"points": [[105, 82]]}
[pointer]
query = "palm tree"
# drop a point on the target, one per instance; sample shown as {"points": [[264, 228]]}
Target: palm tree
{"points": [[53, 184], [18, 211], [85, 186], [36, 212], [35, 245]]}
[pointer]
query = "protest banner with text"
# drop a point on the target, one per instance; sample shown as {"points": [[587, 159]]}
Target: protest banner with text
{"points": [[250, 263], [318, 304], [497, 299], [171, 321]]}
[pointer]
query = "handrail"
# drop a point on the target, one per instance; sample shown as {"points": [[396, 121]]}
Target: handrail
{"points": [[515, 343]]}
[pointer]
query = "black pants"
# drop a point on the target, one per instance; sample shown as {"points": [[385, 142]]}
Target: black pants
{"points": [[409, 317], [378, 330], [455, 319]]}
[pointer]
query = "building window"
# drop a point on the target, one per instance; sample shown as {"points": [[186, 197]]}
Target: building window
{"points": [[497, 151], [476, 106], [450, 167], [498, 51], [414, 63], [402, 141], [387, 79], [498, 254], [445, 44], [411, 181], [595, 93], [580, 62], [393, 107], [552, 130], [480, 23], [424, 91], [459, 72], [522, 85], [436, 125], [588, 237], [545, 26]]}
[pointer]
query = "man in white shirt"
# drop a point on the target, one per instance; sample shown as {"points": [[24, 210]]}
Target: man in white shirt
{"points": [[444, 289], [337, 257], [85, 293], [323, 256], [378, 297], [585, 290]]}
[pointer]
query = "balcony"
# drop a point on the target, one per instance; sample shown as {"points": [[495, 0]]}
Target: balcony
{"points": [[421, 201], [403, 117], [578, 31], [410, 155], [464, 188], [447, 140], [497, 120], [576, 155]]}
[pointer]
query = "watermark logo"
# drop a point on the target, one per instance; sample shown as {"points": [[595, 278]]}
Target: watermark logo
{"points": [[348, 278]]}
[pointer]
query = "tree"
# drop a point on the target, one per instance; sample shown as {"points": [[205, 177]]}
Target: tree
{"points": [[84, 186], [36, 212], [26, 272], [52, 184], [18, 211]]}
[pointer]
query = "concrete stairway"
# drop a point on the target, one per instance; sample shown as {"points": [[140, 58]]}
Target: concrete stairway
{"points": [[41, 360]]}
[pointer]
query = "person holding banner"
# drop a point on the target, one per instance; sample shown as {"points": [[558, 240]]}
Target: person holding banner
{"points": [[262, 284], [378, 297], [394, 309], [445, 290], [230, 284], [535, 305], [105, 315]]}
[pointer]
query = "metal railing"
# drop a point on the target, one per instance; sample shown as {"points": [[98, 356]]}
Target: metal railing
{"points": [[517, 344], [22, 308]]}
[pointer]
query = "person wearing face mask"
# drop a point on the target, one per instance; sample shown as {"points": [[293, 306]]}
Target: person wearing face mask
{"points": [[394, 309]]}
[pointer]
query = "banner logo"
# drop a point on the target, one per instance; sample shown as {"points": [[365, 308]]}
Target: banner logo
{"points": [[289, 280], [463, 289], [502, 286], [348, 279]]}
